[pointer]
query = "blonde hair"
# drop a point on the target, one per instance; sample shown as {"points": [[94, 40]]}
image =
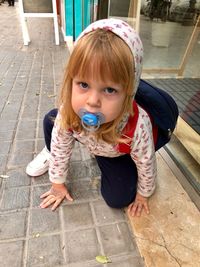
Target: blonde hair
{"points": [[113, 61]]}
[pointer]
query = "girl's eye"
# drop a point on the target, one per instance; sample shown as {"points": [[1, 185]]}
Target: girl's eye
{"points": [[110, 90], [83, 85]]}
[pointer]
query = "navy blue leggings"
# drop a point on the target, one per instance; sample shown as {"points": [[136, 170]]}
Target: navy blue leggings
{"points": [[118, 175]]}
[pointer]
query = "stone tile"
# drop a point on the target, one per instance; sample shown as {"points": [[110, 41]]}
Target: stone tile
{"points": [[76, 155], [40, 145], [85, 153], [77, 215], [78, 170], [7, 126], [130, 262], [45, 251], [119, 236], [6, 135], [37, 192], [11, 112], [3, 161], [25, 146], [81, 245], [83, 190], [26, 129], [5, 147], [92, 263], [77, 145], [11, 254], [105, 214], [19, 159], [93, 168], [30, 112], [15, 198], [12, 225], [44, 220], [17, 177], [43, 179], [40, 130], [169, 235]]}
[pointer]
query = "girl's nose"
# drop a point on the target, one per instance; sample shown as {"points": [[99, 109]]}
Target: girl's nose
{"points": [[94, 99]]}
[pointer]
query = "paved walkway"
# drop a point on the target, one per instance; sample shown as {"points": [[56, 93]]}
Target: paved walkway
{"points": [[76, 233]]}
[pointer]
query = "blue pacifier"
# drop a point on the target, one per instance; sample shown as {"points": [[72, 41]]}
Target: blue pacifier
{"points": [[91, 121]]}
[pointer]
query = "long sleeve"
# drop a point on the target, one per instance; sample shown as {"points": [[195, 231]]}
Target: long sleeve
{"points": [[62, 143], [143, 154]]}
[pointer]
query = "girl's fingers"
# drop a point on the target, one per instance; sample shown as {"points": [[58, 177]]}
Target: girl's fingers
{"points": [[56, 204], [133, 209], [45, 194], [139, 209], [146, 207], [68, 197], [47, 201]]}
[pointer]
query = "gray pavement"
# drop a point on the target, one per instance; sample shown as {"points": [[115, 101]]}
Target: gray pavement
{"points": [[77, 232]]}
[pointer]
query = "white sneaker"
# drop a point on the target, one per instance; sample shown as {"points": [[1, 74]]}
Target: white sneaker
{"points": [[40, 164]]}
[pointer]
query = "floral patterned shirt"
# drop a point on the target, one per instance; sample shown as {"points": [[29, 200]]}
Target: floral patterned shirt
{"points": [[142, 152]]}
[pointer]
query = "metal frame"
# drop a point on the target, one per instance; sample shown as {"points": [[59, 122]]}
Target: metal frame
{"points": [[24, 16]]}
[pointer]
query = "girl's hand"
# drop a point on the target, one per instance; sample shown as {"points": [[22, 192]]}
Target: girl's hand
{"points": [[140, 203], [55, 196]]}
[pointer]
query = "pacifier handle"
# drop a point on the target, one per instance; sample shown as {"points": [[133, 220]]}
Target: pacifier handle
{"points": [[90, 128], [90, 122]]}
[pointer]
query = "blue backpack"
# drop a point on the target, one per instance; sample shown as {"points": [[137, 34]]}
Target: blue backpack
{"points": [[162, 110]]}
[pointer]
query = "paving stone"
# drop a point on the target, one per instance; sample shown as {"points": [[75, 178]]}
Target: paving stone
{"points": [[11, 254], [26, 129], [84, 153], [12, 225], [76, 155], [19, 159], [119, 236], [104, 214], [6, 135], [41, 130], [15, 198], [45, 251], [40, 145], [81, 245], [24, 146], [30, 112], [77, 215], [17, 177], [5, 147], [11, 112], [3, 161], [7, 126], [44, 221], [43, 179], [37, 192], [85, 264], [131, 262], [93, 168], [78, 170], [83, 190]]}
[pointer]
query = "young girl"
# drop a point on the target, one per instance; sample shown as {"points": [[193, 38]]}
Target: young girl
{"points": [[96, 103]]}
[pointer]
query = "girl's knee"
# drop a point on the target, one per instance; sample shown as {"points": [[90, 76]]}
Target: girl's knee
{"points": [[115, 205], [118, 203], [50, 117]]}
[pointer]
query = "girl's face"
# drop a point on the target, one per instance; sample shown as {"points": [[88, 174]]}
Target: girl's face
{"points": [[98, 96]]}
